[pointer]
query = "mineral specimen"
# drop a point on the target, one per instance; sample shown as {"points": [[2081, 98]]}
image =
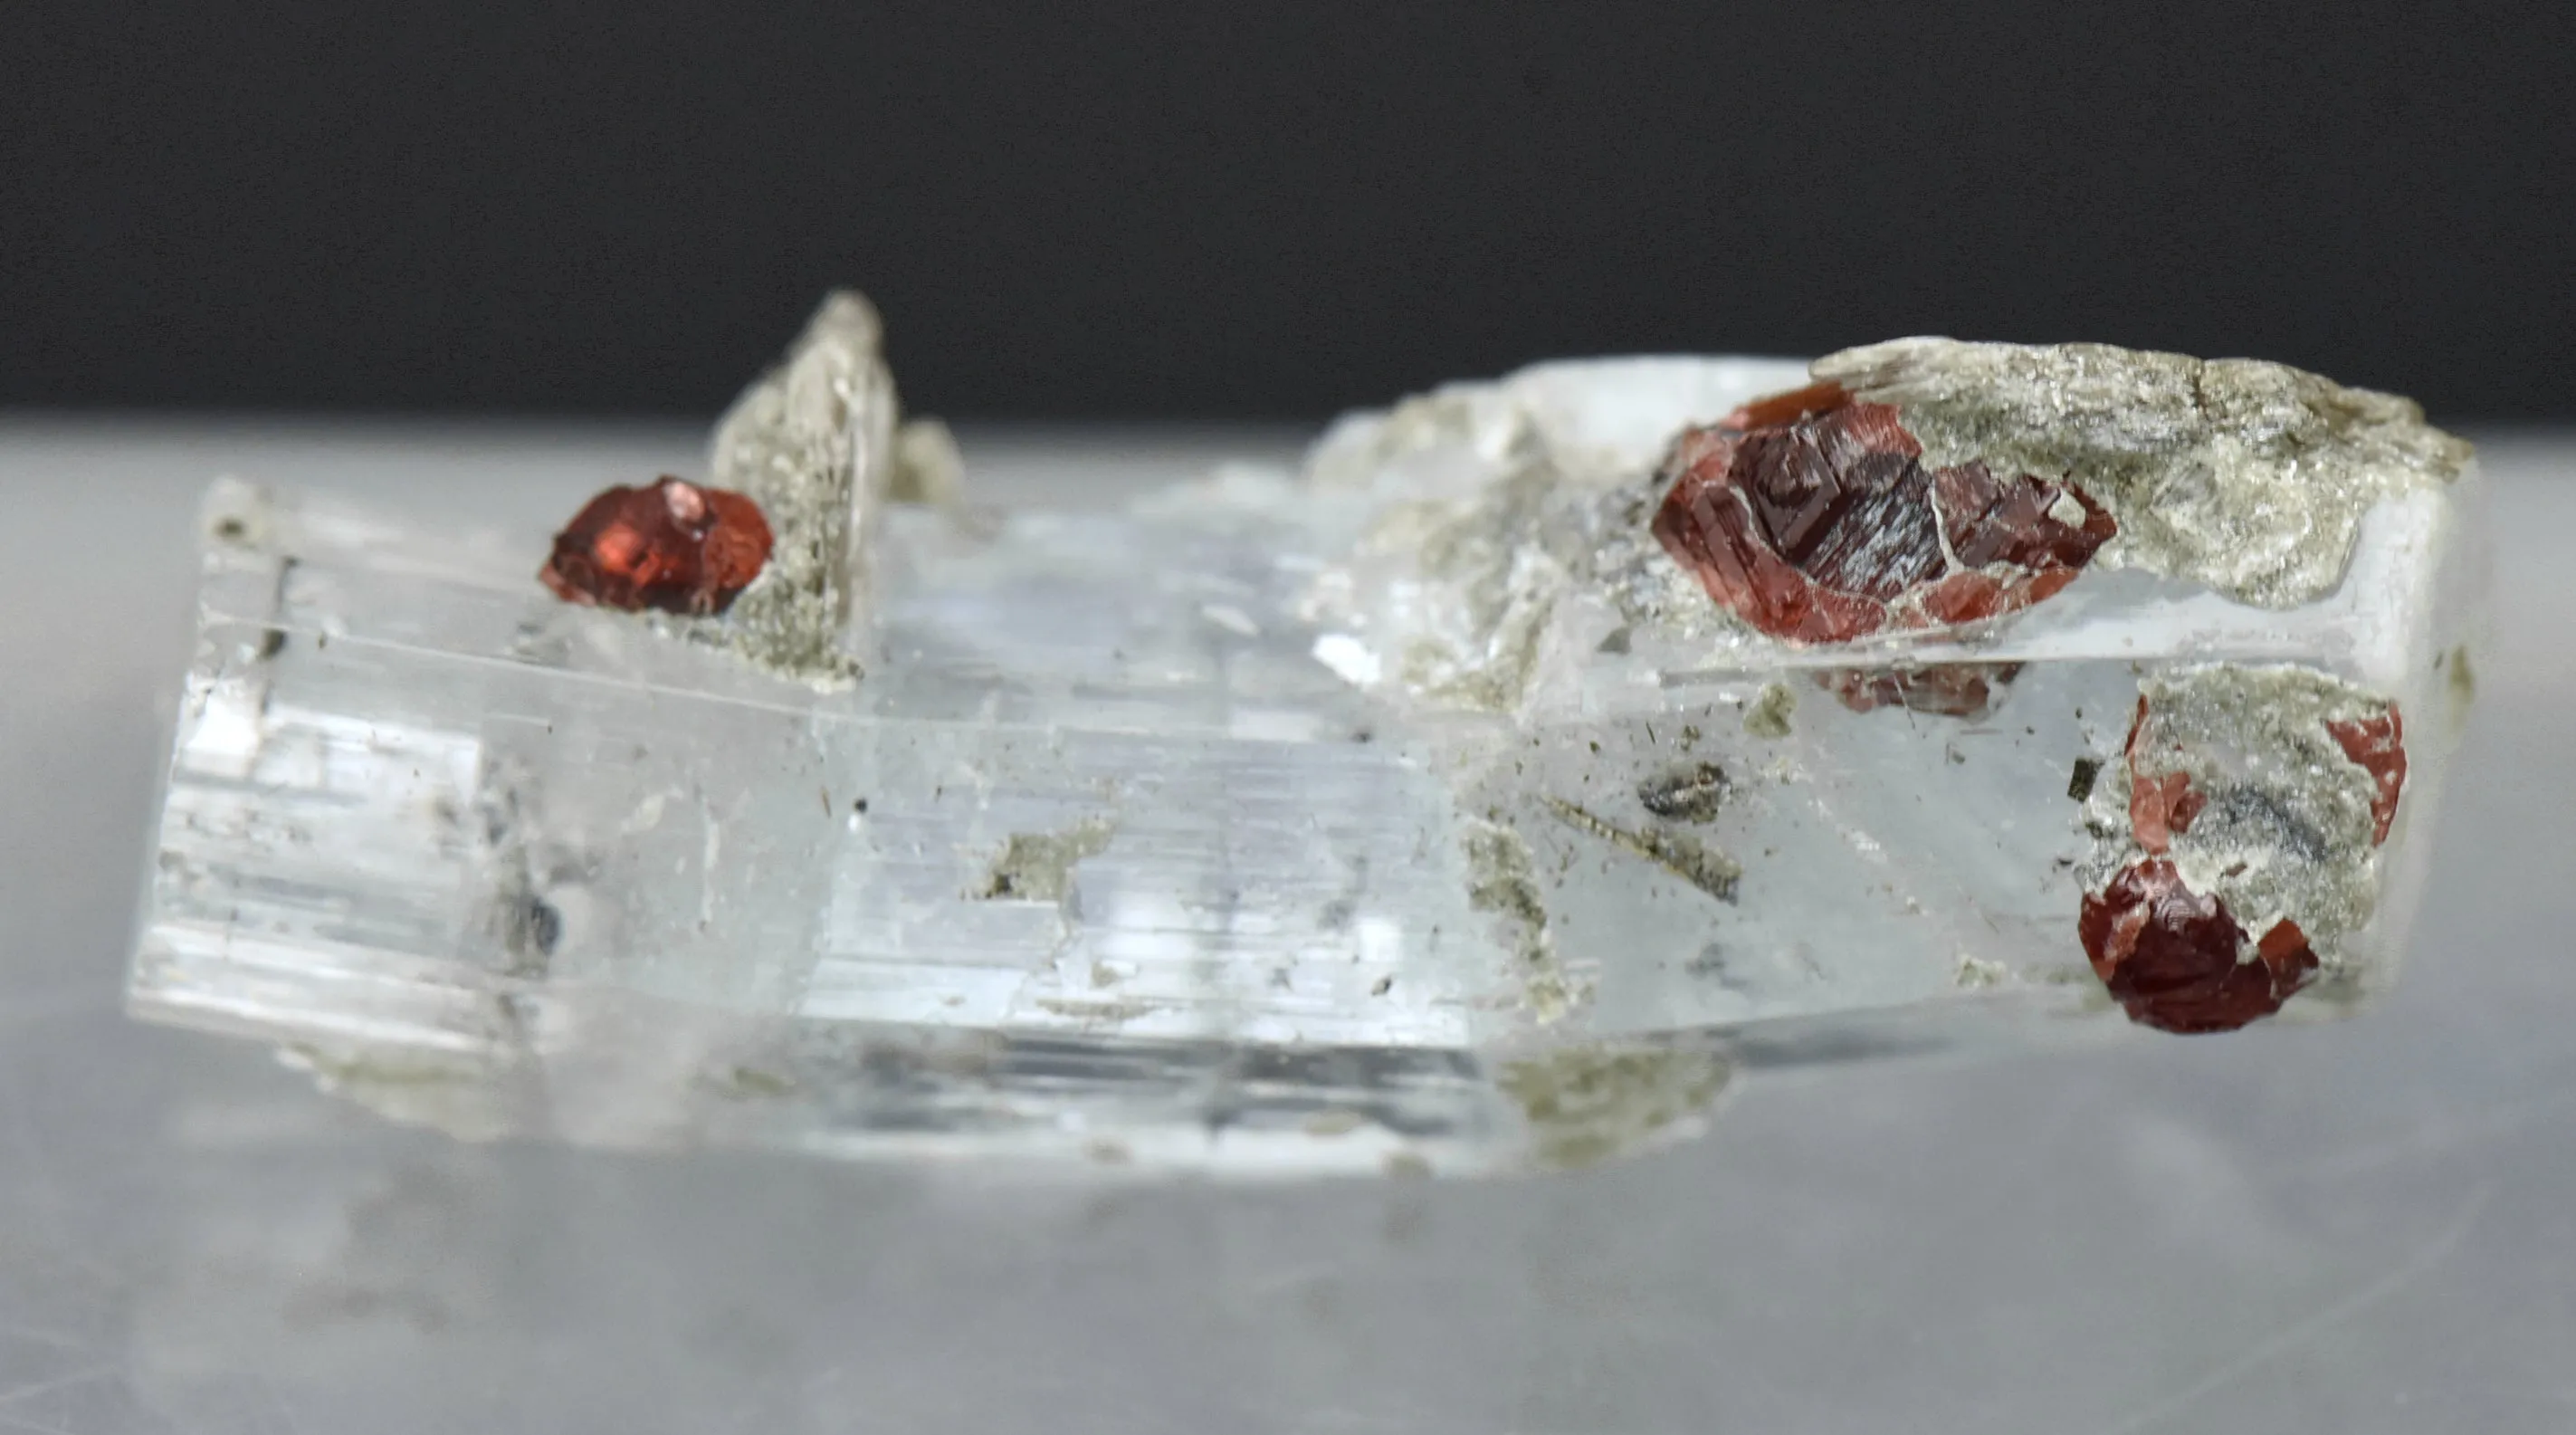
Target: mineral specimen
{"points": [[673, 546], [1446, 805]]}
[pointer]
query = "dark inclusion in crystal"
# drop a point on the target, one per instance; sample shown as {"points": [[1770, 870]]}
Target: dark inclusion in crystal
{"points": [[2177, 961], [674, 546], [1811, 516], [1686, 794]]}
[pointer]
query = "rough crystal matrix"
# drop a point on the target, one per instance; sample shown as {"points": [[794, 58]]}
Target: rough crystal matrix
{"points": [[1445, 806]]}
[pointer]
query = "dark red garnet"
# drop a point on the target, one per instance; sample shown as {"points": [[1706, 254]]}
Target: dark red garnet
{"points": [[2379, 745], [674, 546], [2177, 961], [1812, 517]]}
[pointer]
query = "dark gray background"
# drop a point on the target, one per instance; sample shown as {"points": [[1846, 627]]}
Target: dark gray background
{"points": [[1232, 210]]}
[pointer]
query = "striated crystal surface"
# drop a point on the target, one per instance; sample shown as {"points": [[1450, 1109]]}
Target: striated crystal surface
{"points": [[1415, 811]]}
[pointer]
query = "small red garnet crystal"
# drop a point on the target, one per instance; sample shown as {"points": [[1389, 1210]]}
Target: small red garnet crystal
{"points": [[2379, 745], [2177, 961], [2161, 804], [673, 546], [1962, 690], [1812, 517]]}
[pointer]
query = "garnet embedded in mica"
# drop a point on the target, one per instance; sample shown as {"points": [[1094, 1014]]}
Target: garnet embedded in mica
{"points": [[1812, 516], [2161, 804], [2177, 961], [2379, 745], [675, 546]]}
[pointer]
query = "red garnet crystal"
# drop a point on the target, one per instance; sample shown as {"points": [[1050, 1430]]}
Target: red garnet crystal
{"points": [[1961, 690], [2379, 745], [674, 546], [1812, 517], [2177, 961], [2161, 804]]}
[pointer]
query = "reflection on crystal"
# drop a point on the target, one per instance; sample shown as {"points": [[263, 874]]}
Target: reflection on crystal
{"points": [[1413, 812]]}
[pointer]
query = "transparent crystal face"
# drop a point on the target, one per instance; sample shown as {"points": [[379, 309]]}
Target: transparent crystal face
{"points": [[1199, 833]]}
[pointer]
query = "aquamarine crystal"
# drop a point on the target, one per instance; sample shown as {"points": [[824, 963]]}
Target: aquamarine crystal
{"points": [[1414, 811]]}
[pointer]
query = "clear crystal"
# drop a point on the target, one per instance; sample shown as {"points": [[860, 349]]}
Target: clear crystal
{"points": [[1410, 812]]}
